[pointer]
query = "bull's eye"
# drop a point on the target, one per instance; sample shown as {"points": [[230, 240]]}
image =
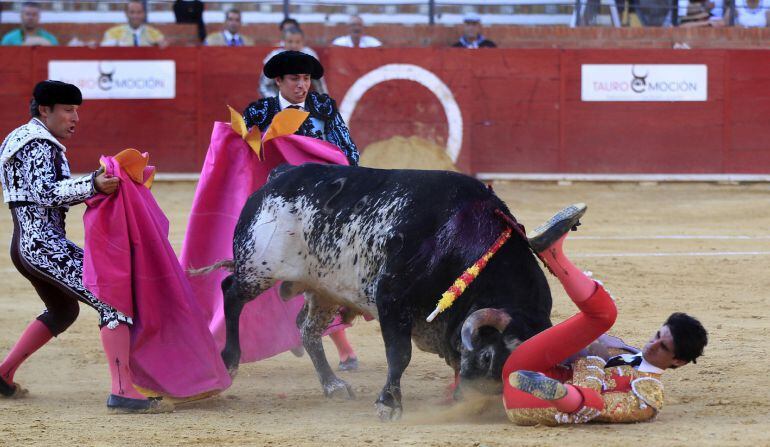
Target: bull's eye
{"points": [[486, 357]]}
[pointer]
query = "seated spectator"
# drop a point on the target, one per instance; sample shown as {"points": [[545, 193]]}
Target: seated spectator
{"points": [[661, 12], [191, 11], [751, 13], [29, 33], [135, 33], [230, 36], [356, 38], [472, 37], [294, 40], [697, 15], [288, 22], [747, 13]]}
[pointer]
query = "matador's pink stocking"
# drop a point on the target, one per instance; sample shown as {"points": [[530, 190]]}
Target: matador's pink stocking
{"points": [[578, 286], [34, 337], [117, 343]]}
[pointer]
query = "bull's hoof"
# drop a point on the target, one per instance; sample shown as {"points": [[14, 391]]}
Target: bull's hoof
{"points": [[231, 362], [338, 389], [386, 413]]}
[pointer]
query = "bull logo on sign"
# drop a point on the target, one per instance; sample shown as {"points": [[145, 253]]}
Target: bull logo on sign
{"points": [[639, 84], [105, 76]]}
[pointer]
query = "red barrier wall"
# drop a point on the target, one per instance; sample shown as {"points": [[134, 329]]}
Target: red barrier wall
{"points": [[521, 109]]}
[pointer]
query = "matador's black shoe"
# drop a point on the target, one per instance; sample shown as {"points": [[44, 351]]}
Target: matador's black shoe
{"points": [[127, 405], [538, 385], [11, 391], [567, 219], [351, 364]]}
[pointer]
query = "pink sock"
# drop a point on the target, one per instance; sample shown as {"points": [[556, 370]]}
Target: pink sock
{"points": [[117, 343], [578, 286], [344, 349], [33, 338], [569, 403]]}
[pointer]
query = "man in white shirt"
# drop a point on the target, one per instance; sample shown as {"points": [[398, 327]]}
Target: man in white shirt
{"points": [[293, 40], [356, 38]]}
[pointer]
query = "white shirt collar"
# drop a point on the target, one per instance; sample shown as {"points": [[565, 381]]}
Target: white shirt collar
{"points": [[283, 102], [229, 36], [647, 367]]}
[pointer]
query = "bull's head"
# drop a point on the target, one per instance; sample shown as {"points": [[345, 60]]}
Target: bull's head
{"points": [[485, 346]]}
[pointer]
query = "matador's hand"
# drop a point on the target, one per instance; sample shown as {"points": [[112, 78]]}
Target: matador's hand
{"points": [[104, 184]]}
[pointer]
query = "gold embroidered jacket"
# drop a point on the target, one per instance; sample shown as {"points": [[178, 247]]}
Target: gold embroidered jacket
{"points": [[628, 395]]}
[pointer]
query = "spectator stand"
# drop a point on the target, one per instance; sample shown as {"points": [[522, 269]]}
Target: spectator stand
{"points": [[373, 12]]}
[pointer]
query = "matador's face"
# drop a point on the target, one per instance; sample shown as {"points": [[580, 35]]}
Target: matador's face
{"points": [[294, 87], [659, 351], [60, 119]]}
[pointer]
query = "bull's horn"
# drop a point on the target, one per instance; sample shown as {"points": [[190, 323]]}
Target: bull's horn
{"points": [[498, 319]]}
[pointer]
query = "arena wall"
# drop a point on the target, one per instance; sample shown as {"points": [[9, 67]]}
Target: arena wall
{"points": [[519, 110]]}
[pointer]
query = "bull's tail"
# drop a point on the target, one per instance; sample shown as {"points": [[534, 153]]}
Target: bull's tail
{"points": [[227, 264]]}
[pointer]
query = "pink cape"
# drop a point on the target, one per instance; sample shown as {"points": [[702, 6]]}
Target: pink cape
{"points": [[231, 173], [130, 265]]}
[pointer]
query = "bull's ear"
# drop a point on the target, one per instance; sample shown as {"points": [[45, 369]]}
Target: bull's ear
{"points": [[511, 342]]}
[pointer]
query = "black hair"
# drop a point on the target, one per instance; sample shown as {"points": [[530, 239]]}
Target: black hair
{"points": [[34, 108], [233, 11], [690, 337], [34, 112], [288, 21], [30, 5], [141, 2]]}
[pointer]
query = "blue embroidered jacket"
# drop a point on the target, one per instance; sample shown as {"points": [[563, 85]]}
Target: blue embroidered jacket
{"points": [[322, 108]]}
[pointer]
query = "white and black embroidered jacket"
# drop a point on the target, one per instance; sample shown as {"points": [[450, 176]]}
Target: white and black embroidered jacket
{"points": [[35, 170]]}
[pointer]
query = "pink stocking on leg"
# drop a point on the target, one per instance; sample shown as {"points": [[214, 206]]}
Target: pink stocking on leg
{"points": [[578, 286], [344, 349], [33, 338], [117, 343], [569, 403]]}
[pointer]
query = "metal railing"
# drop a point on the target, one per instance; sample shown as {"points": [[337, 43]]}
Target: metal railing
{"points": [[440, 12]]}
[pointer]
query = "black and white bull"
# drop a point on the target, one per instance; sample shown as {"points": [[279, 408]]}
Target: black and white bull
{"points": [[389, 243]]}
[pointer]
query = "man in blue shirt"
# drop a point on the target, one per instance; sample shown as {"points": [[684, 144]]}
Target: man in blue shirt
{"points": [[29, 33]]}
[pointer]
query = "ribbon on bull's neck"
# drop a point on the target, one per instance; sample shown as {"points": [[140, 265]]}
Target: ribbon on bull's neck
{"points": [[461, 283]]}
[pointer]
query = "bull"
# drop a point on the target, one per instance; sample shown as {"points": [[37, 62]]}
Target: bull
{"points": [[388, 243]]}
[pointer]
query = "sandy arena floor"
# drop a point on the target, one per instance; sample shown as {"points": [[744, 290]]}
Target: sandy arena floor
{"points": [[703, 249]]}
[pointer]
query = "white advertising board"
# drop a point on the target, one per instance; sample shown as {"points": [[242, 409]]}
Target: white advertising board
{"points": [[654, 82], [118, 79]]}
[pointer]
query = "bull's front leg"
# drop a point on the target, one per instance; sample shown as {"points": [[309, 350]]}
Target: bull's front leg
{"points": [[396, 328], [312, 328], [234, 300]]}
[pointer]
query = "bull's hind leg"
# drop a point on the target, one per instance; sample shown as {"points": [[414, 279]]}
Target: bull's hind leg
{"points": [[235, 297], [319, 315]]}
